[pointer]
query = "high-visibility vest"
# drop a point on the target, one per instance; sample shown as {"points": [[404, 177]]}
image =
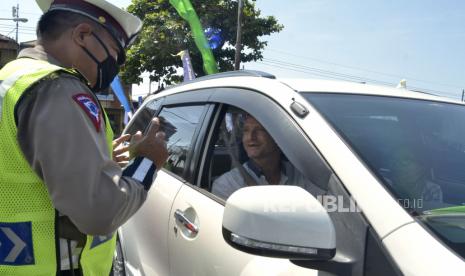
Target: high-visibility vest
{"points": [[28, 221]]}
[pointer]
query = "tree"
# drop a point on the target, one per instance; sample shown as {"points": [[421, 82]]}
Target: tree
{"points": [[165, 34]]}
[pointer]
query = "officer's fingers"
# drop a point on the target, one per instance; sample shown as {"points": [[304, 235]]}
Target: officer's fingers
{"points": [[122, 158], [123, 163], [135, 142], [153, 128], [136, 137], [120, 150], [161, 135], [121, 139]]}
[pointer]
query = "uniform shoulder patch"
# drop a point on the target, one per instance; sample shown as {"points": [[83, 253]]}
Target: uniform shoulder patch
{"points": [[90, 107]]}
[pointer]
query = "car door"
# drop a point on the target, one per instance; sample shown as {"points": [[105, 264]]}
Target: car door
{"points": [[144, 235], [196, 244], [144, 231]]}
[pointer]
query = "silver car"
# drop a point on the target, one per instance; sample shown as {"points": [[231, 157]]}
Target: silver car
{"points": [[386, 166]]}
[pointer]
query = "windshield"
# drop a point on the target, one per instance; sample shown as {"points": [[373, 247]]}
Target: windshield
{"points": [[416, 148]]}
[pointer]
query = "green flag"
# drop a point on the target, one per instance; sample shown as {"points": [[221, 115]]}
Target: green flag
{"points": [[187, 12], [448, 210]]}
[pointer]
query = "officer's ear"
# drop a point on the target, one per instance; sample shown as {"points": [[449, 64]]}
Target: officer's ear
{"points": [[81, 34]]}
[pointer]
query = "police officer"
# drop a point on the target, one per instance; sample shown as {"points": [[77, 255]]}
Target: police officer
{"points": [[62, 197]]}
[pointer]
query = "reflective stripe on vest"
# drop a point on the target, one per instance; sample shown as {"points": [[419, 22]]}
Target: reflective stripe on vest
{"points": [[27, 217], [10, 81]]}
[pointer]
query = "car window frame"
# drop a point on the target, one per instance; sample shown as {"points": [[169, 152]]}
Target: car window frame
{"points": [[200, 144], [184, 176], [246, 99], [189, 98], [140, 110], [383, 263], [207, 151]]}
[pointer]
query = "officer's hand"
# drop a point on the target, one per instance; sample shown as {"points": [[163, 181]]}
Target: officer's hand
{"points": [[151, 146], [120, 150]]}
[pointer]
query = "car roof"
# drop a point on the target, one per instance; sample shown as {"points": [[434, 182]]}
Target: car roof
{"points": [[257, 80], [332, 86]]}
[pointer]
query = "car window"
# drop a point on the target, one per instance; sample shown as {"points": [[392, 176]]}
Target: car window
{"points": [[143, 118], [179, 124], [243, 153], [227, 146], [400, 140]]}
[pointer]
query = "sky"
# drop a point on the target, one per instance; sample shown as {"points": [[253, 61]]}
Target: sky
{"points": [[381, 42]]}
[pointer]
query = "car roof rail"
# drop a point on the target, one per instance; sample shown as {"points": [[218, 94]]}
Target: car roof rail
{"points": [[238, 73]]}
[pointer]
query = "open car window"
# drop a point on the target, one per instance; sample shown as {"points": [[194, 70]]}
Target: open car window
{"points": [[241, 151]]}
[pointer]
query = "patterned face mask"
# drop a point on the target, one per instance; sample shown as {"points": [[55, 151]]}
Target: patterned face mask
{"points": [[106, 70]]}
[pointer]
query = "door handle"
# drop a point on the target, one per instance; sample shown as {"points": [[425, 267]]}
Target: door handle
{"points": [[179, 216]]}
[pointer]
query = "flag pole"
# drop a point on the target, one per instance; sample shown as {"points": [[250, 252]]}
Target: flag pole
{"points": [[237, 58]]}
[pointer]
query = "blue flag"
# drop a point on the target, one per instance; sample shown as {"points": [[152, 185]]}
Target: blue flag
{"points": [[187, 65], [119, 92]]}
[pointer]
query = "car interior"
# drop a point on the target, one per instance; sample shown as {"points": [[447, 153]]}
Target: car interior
{"points": [[227, 147]]}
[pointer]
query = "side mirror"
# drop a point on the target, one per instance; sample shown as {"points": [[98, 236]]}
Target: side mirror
{"points": [[279, 221]]}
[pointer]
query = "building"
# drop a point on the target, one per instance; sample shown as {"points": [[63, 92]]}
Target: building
{"points": [[8, 50], [113, 108], [27, 44]]}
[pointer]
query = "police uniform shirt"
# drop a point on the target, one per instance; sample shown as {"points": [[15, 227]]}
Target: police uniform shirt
{"points": [[70, 153]]}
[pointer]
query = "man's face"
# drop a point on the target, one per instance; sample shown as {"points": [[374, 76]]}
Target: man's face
{"points": [[407, 173], [257, 142]]}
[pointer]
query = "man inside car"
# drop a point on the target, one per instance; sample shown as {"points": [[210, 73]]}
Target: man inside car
{"points": [[266, 165]]}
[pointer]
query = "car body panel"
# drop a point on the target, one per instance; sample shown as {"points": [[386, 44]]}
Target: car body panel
{"points": [[412, 247], [148, 229], [207, 253], [320, 85]]}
